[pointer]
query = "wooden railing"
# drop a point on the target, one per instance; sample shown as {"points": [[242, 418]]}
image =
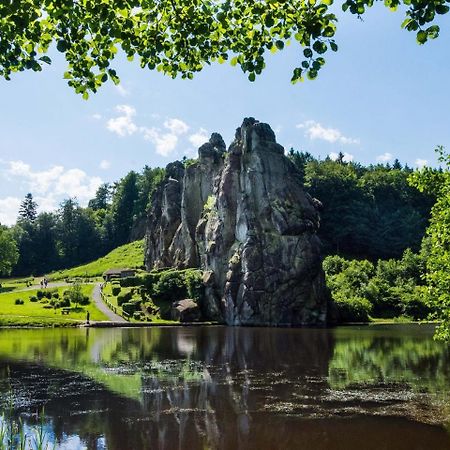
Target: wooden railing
{"points": [[112, 307]]}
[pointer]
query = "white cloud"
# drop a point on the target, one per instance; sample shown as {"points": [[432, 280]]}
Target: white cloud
{"points": [[165, 143], [38, 182], [176, 126], [55, 181], [315, 130], [76, 183], [385, 157], [104, 164], [199, 138], [348, 157], [420, 162], [9, 208], [165, 137], [123, 125], [96, 116], [122, 91]]}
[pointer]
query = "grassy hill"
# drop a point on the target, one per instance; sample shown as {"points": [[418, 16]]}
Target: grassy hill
{"points": [[126, 256]]}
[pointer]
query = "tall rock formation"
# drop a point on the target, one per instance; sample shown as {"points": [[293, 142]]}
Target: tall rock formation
{"points": [[243, 217]]}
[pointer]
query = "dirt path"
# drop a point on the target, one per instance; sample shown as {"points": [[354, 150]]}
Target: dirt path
{"points": [[101, 305]]}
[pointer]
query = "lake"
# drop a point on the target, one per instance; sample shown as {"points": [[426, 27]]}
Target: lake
{"points": [[369, 387]]}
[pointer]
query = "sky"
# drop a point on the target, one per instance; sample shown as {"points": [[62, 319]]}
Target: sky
{"points": [[380, 97]]}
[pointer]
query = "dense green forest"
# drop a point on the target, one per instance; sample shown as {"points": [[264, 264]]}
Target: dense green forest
{"points": [[368, 212]]}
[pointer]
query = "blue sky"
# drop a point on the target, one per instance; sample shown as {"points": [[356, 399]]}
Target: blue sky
{"points": [[380, 97]]}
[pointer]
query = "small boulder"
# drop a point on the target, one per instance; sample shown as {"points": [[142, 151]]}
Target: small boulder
{"points": [[185, 311]]}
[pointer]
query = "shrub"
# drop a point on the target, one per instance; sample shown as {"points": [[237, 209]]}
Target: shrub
{"points": [[64, 302], [130, 281], [353, 309], [40, 294], [55, 295], [115, 290], [18, 301], [33, 298], [334, 264], [124, 297], [171, 286], [138, 315], [130, 307], [194, 284], [75, 295]]}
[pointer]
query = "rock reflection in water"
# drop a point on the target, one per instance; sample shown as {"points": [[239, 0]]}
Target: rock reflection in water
{"points": [[229, 388]]}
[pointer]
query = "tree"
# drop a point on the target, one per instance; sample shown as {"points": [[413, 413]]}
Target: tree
{"points": [[102, 197], [438, 245], [180, 37], [8, 251], [28, 208], [124, 207]]}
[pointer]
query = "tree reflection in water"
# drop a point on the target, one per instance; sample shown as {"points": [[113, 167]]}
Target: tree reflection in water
{"points": [[214, 387]]}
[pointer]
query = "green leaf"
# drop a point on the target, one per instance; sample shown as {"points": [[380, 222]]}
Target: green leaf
{"points": [[252, 76], [280, 45], [308, 53], [61, 46], [422, 37]]}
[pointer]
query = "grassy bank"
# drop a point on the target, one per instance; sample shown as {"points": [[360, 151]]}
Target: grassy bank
{"points": [[126, 256], [41, 313]]}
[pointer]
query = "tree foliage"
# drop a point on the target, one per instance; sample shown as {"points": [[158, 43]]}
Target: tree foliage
{"points": [[389, 288], [368, 212], [438, 257], [28, 208], [180, 37], [74, 235], [8, 251]]}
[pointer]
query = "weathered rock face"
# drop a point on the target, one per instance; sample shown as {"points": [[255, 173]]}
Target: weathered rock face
{"points": [[242, 216]]}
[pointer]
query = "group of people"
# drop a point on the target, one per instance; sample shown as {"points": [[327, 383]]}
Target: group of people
{"points": [[44, 283]]}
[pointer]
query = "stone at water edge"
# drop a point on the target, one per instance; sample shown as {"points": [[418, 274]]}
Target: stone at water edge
{"points": [[185, 311], [243, 217]]}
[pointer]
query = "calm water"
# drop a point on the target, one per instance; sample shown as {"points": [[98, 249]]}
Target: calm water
{"points": [[230, 388]]}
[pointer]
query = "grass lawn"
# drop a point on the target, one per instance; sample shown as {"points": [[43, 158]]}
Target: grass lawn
{"points": [[34, 313], [126, 256], [12, 284]]}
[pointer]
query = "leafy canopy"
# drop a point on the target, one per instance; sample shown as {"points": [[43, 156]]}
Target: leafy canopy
{"points": [[179, 37], [438, 260]]}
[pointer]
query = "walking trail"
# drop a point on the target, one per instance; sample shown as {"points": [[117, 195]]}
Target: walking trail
{"points": [[101, 305]]}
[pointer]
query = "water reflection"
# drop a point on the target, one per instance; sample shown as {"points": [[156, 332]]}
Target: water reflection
{"points": [[215, 387]]}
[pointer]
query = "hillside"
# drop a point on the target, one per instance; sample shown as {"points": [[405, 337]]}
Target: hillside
{"points": [[128, 255]]}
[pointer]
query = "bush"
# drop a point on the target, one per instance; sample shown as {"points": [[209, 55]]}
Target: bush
{"points": [[124, 297], [171, 286], [75, 295], [194, 284], [353, 309], [33, 298], [115, 290], [130, 307], [130, 281], [138, 315], [40, 294], [55, 295], [18, 301], [64, 302]]}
